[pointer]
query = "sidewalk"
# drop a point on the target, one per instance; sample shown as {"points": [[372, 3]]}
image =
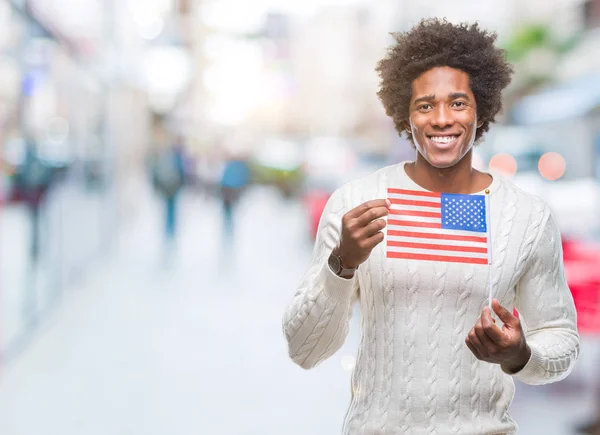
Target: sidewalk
{"points": [[70, 239]]}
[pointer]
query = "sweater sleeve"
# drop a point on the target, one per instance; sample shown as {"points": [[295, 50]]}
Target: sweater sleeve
{"points": [[545, 303], [315, 323]]}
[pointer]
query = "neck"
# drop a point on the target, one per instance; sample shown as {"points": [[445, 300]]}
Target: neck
{"points": [[460, 178]]}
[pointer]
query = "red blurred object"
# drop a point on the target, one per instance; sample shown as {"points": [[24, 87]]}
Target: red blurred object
{"points": [[315, 202], [582, 270]]}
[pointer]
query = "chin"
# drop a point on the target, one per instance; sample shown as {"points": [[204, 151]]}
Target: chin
{"points": [[442, 162]]}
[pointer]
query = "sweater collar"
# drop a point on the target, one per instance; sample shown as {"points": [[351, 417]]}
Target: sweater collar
{"points": [[493, 187]]}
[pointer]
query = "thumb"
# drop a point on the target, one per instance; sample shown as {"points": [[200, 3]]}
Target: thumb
{"points": [[503, 314]]}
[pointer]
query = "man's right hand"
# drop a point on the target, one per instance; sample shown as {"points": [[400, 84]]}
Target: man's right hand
{"points": [[361, 231]]}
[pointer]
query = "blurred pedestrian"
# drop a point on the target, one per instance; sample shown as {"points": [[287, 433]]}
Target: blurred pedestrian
{"points": [[32, 180], [433, 359], [234, 180], [168, 176], [592, 426]]}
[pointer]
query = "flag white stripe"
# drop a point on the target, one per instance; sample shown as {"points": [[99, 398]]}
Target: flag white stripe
{"points": [[437, 241], [415, 208], [437, 252], [404, 218], [414, 197], [434, 231], [409, 196]]}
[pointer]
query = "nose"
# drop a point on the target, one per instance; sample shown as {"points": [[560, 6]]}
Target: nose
{"points": [[442, 117]]}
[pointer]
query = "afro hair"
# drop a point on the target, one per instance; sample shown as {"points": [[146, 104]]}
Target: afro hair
{"points": [[435, 43]]}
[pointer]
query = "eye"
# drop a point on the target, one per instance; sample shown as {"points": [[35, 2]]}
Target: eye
{"points": [[459, 104], [425, 107]]}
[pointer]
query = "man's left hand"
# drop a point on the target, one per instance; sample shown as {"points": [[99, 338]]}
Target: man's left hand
{"points": [[506, 346]]}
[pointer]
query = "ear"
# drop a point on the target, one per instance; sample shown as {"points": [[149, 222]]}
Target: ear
{"points": [[479, 123], [406, 123]]}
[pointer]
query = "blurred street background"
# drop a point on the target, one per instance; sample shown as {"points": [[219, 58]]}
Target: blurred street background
{"points": [[164, 164]]}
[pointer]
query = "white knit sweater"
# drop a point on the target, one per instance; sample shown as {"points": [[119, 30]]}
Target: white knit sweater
{"points": [[414, 373]]}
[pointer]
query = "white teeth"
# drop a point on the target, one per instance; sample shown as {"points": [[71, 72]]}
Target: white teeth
{"points": [[443, 139]]}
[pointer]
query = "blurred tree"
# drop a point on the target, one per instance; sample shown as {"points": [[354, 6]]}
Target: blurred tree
{"points": [[535, 49], [535, 36]]}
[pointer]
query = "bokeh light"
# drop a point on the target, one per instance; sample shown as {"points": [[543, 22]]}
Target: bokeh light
{"points": [[552, 166], [57, 130], [504, 163]]}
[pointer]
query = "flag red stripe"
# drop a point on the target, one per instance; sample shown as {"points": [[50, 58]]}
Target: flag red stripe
{"points": [[481, 250], [412, 202], [415, 224], [410, 256], [436, 236], [432, 214], [415, 192]]}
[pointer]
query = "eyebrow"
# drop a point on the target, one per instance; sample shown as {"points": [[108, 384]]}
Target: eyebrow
{"points": [[425, 99], [457, 95], [431, 97]]}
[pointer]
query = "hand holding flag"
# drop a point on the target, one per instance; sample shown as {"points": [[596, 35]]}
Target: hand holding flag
{"points": [[506, 346], [361, 231]]}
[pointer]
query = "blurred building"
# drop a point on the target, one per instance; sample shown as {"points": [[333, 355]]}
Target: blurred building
{"points": [[79, 82]]}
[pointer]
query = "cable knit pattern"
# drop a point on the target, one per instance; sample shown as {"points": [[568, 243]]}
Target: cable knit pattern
{"points": [[414, 374], [317, 332], [555, 274], [496, 381], [457, 355], [476, 388], [342, 330], [356, 387], [388, 350], [372, 340], [536, 219], [543, 288], [501, 239], [435, 322], [412, 299], [294, 324]]}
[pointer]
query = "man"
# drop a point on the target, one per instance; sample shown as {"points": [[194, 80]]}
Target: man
{"points": [[433, 359]]}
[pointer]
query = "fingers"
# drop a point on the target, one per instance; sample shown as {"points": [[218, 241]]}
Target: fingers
{"points": [[374, 227], [479, 343], [473, 349], [361, 209], [372, 241], [490, 343], [484, 344], [503, 314], [361, 231], [476, 346], [370, 215], [490, 328]]}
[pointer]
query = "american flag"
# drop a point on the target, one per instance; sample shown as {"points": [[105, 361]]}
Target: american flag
{"points": [[437, 227]]}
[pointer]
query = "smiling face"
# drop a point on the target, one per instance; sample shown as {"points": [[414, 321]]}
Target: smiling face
{"points": [[443, 116]]}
